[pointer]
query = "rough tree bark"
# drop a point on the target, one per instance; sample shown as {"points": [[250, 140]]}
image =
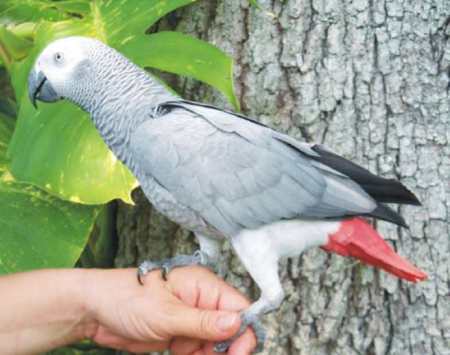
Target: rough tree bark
{"points": [[369, 79]]}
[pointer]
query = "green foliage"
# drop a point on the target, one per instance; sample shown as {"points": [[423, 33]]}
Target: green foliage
{"points": [[117, 24], [56, 171], [199, 60], [38, 230], [17, 11], [13, 46], [6, 129], [81, 168]]}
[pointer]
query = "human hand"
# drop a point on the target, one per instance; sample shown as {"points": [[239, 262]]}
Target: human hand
{"points": [[187, 314]]}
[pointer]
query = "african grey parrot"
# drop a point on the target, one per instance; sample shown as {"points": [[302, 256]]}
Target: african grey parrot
{"points": [[224, 176]]}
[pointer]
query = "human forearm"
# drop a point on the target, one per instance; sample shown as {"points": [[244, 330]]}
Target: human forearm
{"points": [[42, 310], [46, 309]]}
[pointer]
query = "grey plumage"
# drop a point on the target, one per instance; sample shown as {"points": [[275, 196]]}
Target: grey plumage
{"points": [[236, 174], [217, 173]]}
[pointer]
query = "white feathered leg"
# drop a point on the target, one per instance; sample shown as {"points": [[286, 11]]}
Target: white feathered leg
{"points": [[260, 251], [261, 261]]}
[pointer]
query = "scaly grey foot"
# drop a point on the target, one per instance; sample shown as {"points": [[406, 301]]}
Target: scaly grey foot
{"points": [[198, 258], [258, 329]]}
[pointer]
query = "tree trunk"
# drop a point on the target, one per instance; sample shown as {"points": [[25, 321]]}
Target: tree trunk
{"points": [[370, 80]]}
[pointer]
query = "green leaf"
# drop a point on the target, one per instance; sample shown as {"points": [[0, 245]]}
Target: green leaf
{"points": [[6, 129], [24, 30], [39, 231], [36, 229], [72, 7], [58, 148], [33, 10], [12, 47], [194, 58], [118, 22]]}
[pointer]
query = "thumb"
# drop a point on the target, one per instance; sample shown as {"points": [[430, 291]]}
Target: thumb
{"points": [[205, 324]]}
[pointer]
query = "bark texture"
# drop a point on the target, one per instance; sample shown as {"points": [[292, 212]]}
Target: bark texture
{"points": [[369, 79]]}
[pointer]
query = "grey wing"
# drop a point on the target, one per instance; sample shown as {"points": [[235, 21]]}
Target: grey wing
{"points": [[237, 174]]}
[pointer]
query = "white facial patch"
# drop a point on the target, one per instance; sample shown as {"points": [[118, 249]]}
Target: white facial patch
{"points": [[60, 58]]}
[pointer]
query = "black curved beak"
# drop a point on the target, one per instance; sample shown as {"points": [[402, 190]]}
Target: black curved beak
{"points": [[39, 88]]}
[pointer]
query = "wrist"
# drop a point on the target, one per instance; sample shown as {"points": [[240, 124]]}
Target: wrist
{"points": [[87, 324], [102, 293], [46, 309]]}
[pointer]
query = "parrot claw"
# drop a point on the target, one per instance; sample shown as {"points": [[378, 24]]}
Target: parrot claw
{"points": [[198, 258], [144, 268], [247, 321], [164, 271], [139, 278]]}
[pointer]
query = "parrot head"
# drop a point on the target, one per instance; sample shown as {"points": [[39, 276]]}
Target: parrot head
{"points": [[62, 69]]}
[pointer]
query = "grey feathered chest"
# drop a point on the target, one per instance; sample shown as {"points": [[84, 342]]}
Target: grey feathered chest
{"points": [[131, 121], [165, 203]]}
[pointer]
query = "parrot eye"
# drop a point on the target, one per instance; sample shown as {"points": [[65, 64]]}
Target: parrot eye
{"points": [[59, 57]]}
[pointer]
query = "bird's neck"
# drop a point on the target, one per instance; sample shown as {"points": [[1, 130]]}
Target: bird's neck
{"points": [[123, 97]]}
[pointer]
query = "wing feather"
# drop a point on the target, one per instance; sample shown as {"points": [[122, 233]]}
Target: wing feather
{"points": [[237, 174]]}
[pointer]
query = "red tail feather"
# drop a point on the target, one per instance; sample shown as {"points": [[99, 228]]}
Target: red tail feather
{"points": [[357, 238]]}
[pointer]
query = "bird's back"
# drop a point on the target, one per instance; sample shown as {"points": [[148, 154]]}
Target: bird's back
{"points": [[237, 174]]}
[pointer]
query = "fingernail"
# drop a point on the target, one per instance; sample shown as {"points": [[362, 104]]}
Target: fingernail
{"points": [[226, 321]]}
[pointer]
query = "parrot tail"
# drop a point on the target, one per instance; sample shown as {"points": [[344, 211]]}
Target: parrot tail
{"points": [[358, 239]]}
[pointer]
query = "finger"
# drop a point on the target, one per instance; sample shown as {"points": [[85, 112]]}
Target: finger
{"points": [[203, 324], [209, 290], [219, 295], [244, 345], [184, 346]]}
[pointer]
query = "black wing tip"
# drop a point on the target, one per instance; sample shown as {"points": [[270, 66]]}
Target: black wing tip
{"points": [[381, 189], [395, 192], [407, 196], [413, 199], [386, 213]]}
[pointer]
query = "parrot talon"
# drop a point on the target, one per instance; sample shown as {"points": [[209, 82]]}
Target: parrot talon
{"points": [[144, 268], [222, 347], [201, 257], [165, 269], [139, 278], [247, 321], [198, 258]]}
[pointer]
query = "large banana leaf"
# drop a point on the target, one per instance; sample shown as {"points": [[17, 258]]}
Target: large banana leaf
{"points": [[57, 147], [6, 129], [117, 24], [36, 229], [35, 10], [199, 59], [17, 47]]}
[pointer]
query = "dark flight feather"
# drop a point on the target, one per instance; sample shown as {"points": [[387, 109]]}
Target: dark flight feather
{"points": [[381, 189]]}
